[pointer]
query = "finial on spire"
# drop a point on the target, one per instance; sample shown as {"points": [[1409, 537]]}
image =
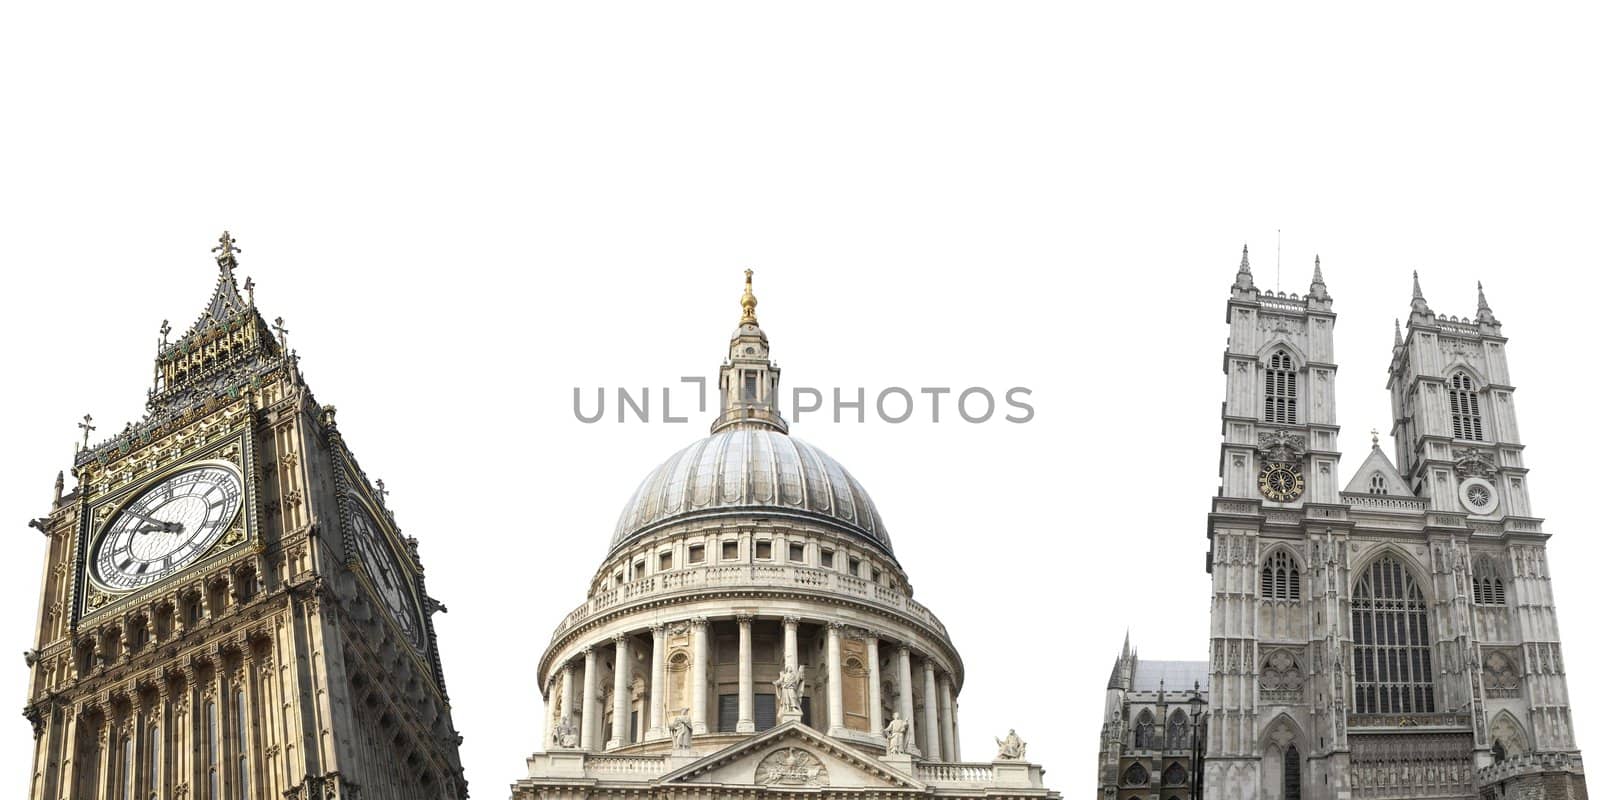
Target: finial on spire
{"points": [[250, 289], [227, 252], [1374, 438], [1397, 339], [283, 333], [86, 425], [166, 328], [748, 302], [1485, 315], [1243, 282], [61, 485]]}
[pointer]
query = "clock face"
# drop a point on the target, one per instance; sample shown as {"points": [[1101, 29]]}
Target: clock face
{"points": [[386, 576], [1281, 482], [168, 527]]}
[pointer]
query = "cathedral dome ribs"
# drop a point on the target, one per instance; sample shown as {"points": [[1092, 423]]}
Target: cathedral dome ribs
{"points": [[751, 471]]}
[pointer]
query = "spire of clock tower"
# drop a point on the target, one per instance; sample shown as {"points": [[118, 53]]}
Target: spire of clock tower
{"points": [[229, 341]]}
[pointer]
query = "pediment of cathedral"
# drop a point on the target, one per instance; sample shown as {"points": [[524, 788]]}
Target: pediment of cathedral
{"points": [[792, 756]]}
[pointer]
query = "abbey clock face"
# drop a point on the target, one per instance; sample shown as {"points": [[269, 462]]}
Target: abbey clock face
{"points": [[167, 527], [1280, 482], [384, 571]]}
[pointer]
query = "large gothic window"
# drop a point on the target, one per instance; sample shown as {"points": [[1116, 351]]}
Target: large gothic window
{"points": [[1465, 421], [1393, 660], [1488, 588], [1144, 731], [1282, 394], [1291, 773], [1178, 731], [1280, 578]]}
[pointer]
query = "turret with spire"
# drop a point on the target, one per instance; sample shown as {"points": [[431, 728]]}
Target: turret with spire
{"points": [[227, 349], [1318, 296], [1243, 282], [1419, 305], [748, 383], [1486, 318]]}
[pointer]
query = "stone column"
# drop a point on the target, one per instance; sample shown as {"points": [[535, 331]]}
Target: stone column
{"points": [[569, 698], [955, 727], [908, 712], [591, 701], [791, 642], [658, 683], [747, 689], [697, 675], [106, 740], [620, 691], [930, 710], [835, 680], [947, 728], [874, 686]]}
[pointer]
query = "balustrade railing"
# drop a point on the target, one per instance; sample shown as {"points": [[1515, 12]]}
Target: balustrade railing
{"points": [[643, 766], [947, 772], [822, 581]]}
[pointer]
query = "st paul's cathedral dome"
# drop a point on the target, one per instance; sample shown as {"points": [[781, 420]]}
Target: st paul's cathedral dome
{"points": [[751, 631]]}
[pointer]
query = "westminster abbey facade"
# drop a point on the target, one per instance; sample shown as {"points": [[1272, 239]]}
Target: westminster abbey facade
{"points": [[1393, 636]]}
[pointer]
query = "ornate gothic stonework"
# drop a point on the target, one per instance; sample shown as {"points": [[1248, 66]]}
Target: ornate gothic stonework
{"points": [[757, 634], [1367, 641], [229, 609]]}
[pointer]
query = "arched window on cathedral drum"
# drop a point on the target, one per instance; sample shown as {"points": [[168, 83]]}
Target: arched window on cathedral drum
{"points": [[1465, 420], [1393, 659], [1282, 395], [1280, 578]]}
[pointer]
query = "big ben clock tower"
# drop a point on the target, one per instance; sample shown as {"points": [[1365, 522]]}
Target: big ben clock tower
{"points": [[229, 611]]}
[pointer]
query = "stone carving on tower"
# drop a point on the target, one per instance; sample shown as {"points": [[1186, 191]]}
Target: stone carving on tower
{"points": [[229, 608], [752, 592], [1393, 639]]}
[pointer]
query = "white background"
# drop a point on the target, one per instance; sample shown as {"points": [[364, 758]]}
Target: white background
{"points": [[462, 215]]}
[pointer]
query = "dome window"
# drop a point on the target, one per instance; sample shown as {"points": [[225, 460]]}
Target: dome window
{"points": [[666, 560], [797, 553], [827, 558], [764, 549], [730, 550], [697, 554]]}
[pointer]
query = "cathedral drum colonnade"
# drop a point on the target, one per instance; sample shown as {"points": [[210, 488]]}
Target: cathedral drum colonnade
{"points": [[750, 628]]}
